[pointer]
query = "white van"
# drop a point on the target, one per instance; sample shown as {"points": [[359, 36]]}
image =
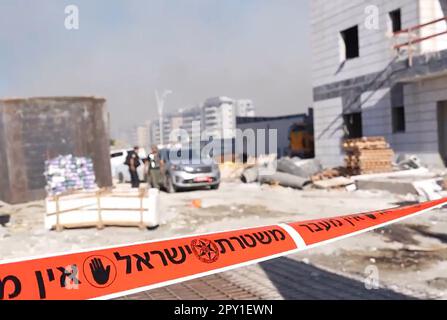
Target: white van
{"points": [[120, 171]]}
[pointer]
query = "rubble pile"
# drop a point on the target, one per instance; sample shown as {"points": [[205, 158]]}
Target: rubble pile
{"points": [[69, 173], [330, 173], [304, 168], [231, 171], [368, 155], [286, 172]]}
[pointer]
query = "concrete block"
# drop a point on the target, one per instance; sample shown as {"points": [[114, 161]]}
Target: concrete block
{"points": [[393, 186]]}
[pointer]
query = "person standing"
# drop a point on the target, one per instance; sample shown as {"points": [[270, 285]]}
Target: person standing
{"points": [[133, 161], [154, 163]]}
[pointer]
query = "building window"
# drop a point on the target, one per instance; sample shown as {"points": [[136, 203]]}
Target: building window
{"points": [[398, 117], [397, 108], [353, 125], [396, 21], [350, 46]]}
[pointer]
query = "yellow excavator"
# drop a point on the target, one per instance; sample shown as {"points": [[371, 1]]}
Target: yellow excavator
{"points": [[301, 141]]}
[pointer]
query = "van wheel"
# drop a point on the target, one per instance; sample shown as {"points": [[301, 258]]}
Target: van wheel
{"points": [[215, 187], [170, 188], [120, 177]]}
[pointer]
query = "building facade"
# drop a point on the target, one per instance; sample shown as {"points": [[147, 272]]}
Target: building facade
{"points": [[245, 108], [219, 115], [191, 122], [142, 136], [373, 76], [216, 119], [219, 118], [182, 119]]}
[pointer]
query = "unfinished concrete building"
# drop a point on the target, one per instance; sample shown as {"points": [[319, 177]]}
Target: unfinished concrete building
{"points": [[380, 69], [34, 130]]}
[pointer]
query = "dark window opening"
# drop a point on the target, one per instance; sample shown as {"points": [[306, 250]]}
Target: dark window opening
{"points": [[398, 117], [396, 21], [351, 41], [353, 125], [397, 108]]}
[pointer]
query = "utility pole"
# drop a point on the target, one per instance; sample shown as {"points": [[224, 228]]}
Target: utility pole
{"points": [[160, 105]]}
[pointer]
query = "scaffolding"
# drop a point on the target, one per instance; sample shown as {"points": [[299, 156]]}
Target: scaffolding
{"points": [[412, 38]]}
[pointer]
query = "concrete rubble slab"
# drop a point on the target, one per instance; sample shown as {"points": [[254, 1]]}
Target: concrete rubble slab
{"points": [[333, 183], [284, 179], [401, 182], [298, 167]]}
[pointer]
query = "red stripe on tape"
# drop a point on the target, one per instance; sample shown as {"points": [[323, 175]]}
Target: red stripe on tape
{"points": [[315, 231]]}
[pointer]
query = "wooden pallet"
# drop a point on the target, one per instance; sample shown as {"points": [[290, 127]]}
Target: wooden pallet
{"points": [[357, 171], [366, 143], [368, 155]]}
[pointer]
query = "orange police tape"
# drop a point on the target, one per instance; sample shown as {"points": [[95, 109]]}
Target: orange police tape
{"points": [[117, 271]]}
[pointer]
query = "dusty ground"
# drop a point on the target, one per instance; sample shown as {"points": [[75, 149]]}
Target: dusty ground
{"points": [[411, 257]]}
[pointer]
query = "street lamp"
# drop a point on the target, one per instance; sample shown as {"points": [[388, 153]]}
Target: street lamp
{"points": [[160, 105]]}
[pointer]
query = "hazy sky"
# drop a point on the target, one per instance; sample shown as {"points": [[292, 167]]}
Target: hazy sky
{"points": [[125, 49]]}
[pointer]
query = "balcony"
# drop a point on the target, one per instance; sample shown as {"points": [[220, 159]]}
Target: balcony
{"points": [[421, 51]]}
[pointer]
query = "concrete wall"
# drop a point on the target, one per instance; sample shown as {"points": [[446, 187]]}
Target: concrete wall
{"points": [[329, 18], [328, 131], [364, 83], [33, 130], [421, 137]]}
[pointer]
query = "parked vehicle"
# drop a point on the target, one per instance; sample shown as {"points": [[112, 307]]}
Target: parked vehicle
{"points": [[301, 141], [190, 172], [120, 171]]}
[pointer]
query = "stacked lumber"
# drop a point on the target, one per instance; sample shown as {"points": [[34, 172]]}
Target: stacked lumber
{"points": [[368, 155]]}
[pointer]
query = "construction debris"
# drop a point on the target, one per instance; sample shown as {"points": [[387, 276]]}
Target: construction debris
{"points": [[396, 186], [406, 162], [4, 219], [250, 175], [284, 179], [420, 172], [298, 167], [267, 163], [260, 174], [196, 203], [230, 171], [329, 174], [428, 189], [368, 155], [337, 182], [419, 182]]}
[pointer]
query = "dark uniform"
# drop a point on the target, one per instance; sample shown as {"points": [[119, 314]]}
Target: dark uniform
{"points": [[133, 161], [153, 161]]}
